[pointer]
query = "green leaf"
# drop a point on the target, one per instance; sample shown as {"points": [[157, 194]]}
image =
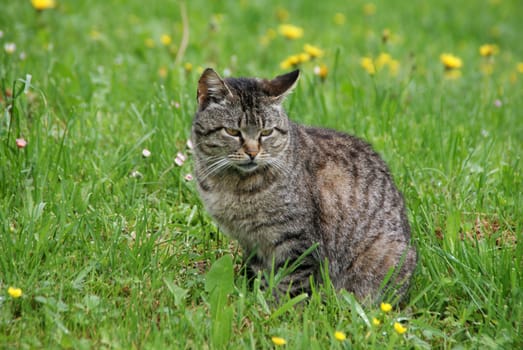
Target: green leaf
{"points": [[221, 276]]}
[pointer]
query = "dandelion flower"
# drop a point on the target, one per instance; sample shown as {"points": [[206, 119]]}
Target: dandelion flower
{"points": [[399, 328], [10, 48], [21, 143], [385, 307], [43, 4], [166, 39], [450, 61], [321, 71], [290, 61], [14, 292], [313, 51], [369, 9], [188, 67], [375, 321], [290, 31], [278, 341], [488, 50], [340, 336], [383, 59], [367, 64], [339, 18], [519, 67]]}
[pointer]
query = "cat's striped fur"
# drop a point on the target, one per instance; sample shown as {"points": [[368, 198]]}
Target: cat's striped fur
{"points": [[279, 187]]}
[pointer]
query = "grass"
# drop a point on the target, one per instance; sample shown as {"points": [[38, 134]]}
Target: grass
{"points": [[114, 250]]}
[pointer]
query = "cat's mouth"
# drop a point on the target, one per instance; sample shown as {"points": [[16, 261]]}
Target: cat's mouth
{"points": [[248, 167]]}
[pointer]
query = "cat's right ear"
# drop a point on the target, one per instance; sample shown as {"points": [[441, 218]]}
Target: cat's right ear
{"points": [[211, 86]]}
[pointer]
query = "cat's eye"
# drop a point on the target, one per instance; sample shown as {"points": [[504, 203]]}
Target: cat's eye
{"points": [[266, 132], [232, 132]]}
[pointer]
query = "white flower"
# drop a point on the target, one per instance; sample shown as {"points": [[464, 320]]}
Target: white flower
{"points": [[146, 153], [189, 144], [10, 48], [188, 177]]}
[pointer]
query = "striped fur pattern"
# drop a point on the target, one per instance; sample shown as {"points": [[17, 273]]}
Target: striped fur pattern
{"points": [[279, 188]]}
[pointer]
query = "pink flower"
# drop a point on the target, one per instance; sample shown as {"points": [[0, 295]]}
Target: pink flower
{"points": [[21, 143], [188, 177], [180, 159], [146, 153]]}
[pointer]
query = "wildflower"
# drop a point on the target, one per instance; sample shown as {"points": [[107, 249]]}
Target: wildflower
{"points": [[14, 292], [282, 14], [519, 67], [162, 72], [41, 5], [385, 35], [498, 103], [290, 31], [146, 153], [188, 177], [290, 61], [369, 9], [189, 144], [340, 336], [385, 307], [188, 67], [321, 71], [166, 39], [135, 174], [450, 61], [180, 159], [488, 50], [22, 56], [375, 321], [313, 51], [382, 60], [21, 143], [10, 48], [399, 328], [339, 18], [268, 37], [367, 64], [278, 341], [149, 42]]}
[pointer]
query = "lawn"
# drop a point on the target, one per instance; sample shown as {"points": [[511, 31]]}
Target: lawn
{"points": [[104, 243]]}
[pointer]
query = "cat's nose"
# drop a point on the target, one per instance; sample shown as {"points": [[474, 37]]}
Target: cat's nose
{"points": [[252, 153]]}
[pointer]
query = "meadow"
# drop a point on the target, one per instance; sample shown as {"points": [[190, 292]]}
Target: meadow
{"points": [[104, 243]]}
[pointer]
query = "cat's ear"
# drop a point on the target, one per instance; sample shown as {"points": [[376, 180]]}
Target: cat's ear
{"points": [[212, 86], [279, 87]]}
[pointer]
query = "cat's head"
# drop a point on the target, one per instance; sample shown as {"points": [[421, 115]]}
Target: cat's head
{"points": [[240, 123]]}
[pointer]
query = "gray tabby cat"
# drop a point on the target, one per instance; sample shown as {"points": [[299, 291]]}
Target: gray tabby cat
{"points": [[280, 188]]}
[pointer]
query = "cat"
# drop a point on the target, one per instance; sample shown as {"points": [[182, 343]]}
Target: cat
{"points": [[280, 188]]}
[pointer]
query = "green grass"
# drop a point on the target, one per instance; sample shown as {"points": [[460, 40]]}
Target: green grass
{"points": [[106, 259]]}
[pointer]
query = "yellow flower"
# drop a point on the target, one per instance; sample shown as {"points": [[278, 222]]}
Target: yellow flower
{"points": [[149, 43], [187, 66], [282, 14], [368, 65], [519, 67], [450, 61], [278, 341], [313, 51], [399, 328], [340, 336], [14, 292], [162, 72], [375, 321], [290, 31], [339, 18], [43, 4], [369, 9], [385, 307], [488, 50], [383, 59], [165, 39], [321, 71], [290, 62]]}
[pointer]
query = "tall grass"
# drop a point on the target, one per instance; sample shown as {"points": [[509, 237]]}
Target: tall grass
{"points": [[112, 249]]}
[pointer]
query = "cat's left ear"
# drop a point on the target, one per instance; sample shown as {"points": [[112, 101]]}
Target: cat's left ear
{"points": [[279, 87]]}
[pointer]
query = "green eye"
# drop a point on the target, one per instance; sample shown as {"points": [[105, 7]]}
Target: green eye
{"points": [[232, 132], [266, 132]]}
